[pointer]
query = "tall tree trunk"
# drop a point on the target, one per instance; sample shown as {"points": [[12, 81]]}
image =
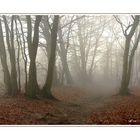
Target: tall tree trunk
{"points": [[131, 59], [13, 61], [66, 70], [126, 64], [124, 88], [7, 79], [47, 35], [33, 88], [24, 55], [83, 70], [56, 81], [18, 56], [63, 55], [48, 84], [11, 50]]}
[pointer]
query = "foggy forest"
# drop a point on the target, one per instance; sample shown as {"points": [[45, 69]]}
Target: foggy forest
{"points": [[69, 69]]}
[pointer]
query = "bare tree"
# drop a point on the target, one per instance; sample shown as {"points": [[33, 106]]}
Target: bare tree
{"points": [[127, 60], [3, 56], [33, 88], [63, 53], [48, 84], [23, 51], [18, 54], [11, 49], [46, 31]]}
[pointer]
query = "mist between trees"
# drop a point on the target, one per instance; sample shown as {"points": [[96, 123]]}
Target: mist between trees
{"points": [[39, 52]]}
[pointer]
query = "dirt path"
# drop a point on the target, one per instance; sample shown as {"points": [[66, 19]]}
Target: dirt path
{"points": [[77, 113], [75, 107]]}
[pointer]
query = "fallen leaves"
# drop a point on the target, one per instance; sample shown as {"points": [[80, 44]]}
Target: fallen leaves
{"points": [[119, 110], [20, 110], [90, 110]]}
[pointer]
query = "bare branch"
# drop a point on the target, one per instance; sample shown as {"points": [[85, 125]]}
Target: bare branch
{"points": [[119, 21], [133, 17], [130, 25], [71, 22]]}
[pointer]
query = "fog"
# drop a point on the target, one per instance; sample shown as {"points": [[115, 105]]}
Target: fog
{"points": [[69, 69], [89, 51]]}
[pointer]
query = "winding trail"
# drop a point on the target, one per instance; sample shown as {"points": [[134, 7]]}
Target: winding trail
{"points": [[78, 114]]}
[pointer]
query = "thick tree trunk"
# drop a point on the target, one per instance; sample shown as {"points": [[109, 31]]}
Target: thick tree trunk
{"points": [[124, 88], [33, 87], [131, 58], [56, 81], [47, 35], [13, 60], [11, 50], [127, 61], [48, 84]]}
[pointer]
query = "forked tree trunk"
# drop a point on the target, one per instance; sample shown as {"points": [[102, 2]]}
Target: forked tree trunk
{"points": [[48, 84], [33, 87], [11, 49], [47, 35], [127, 60], [63, 56]]}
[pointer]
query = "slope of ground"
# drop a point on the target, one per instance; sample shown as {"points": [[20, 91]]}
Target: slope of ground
{"points": [[118, 110], [76, 106]]}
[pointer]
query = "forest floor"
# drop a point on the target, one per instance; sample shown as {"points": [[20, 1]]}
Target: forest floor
{"points": [[76, 107]]}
